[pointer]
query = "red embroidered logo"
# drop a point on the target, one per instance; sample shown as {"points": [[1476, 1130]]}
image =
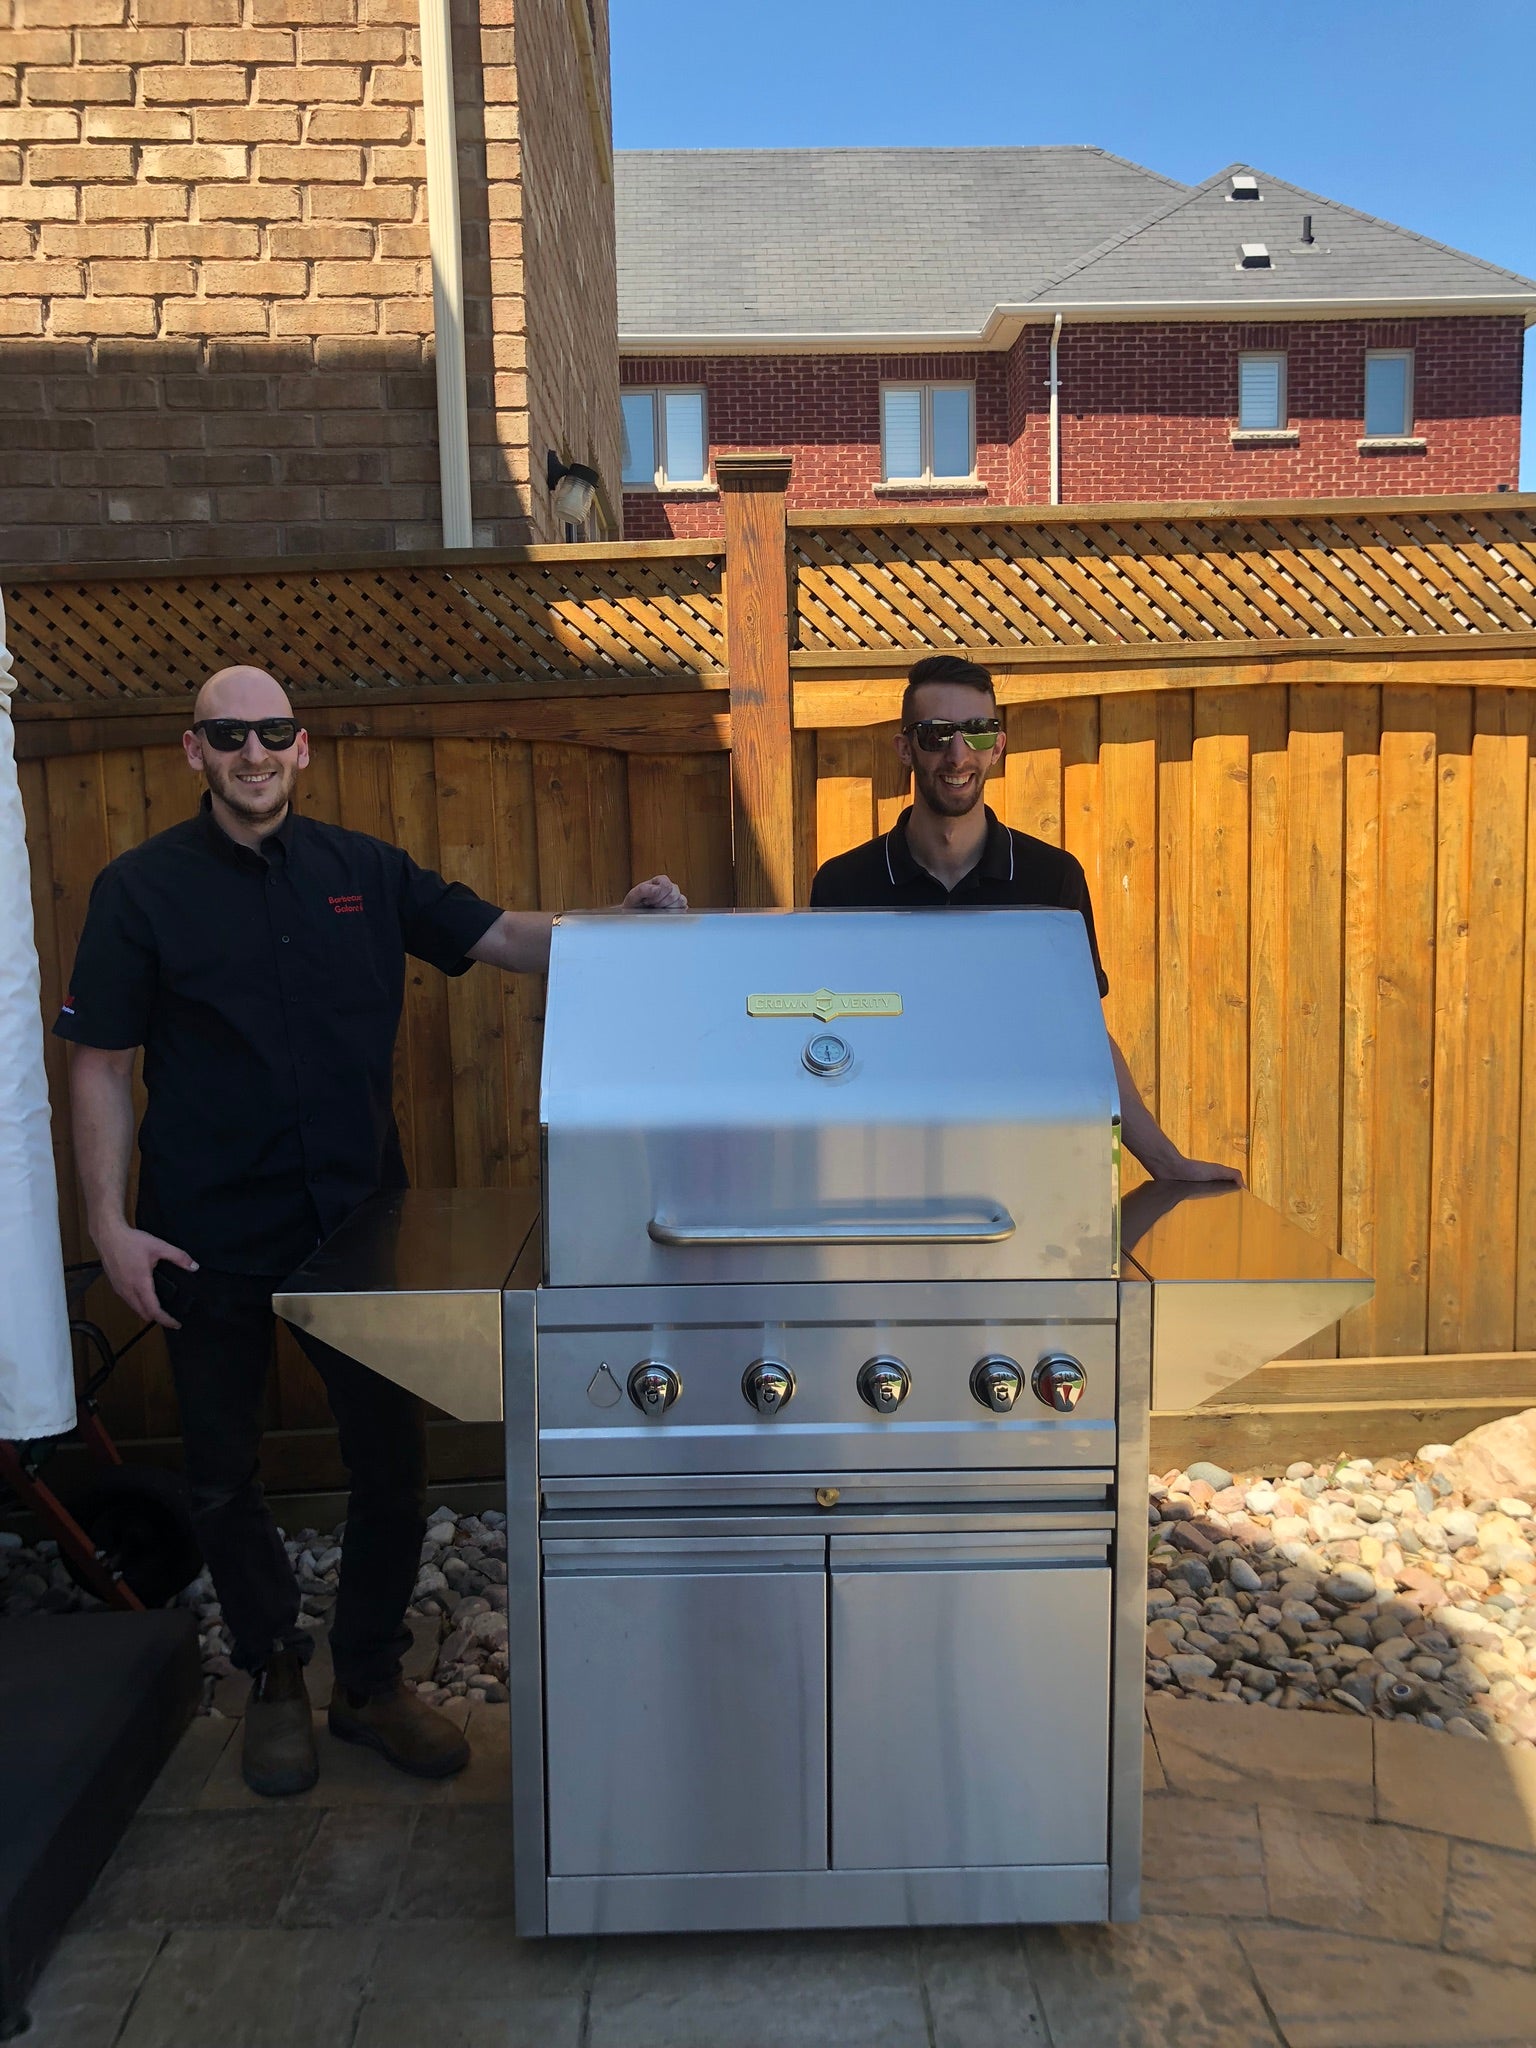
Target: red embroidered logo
{"points": [[346, 906]]}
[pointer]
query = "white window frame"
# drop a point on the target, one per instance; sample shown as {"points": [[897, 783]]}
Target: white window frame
{"points": [[1267, 355], [660, 481], [1377, 355], [927, 387]]}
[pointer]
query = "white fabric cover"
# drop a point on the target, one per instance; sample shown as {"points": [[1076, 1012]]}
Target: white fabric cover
{"points": [[37, 1388]]}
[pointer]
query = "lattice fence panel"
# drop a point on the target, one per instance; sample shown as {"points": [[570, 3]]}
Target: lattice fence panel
{"points": [[1166, 579], [325, 632]]}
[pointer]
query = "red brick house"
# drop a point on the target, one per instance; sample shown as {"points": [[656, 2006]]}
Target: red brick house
{"points": [[894, 318]]}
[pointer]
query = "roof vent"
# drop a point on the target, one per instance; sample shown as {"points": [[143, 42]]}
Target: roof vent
{"points": [[1255, 257], [1244, 186]]}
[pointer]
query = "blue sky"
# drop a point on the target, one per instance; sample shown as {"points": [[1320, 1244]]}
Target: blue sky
{"points": [[1421, 111]]}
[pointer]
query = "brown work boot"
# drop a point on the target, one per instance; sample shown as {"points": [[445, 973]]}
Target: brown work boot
{"points": [[277, 1752], [402, 1728]]}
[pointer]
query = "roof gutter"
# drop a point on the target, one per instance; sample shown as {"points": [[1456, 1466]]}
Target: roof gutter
{"points": [[1005, 323]]}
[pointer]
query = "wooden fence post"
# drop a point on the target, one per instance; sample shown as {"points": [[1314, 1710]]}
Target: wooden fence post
{"points": [[752, 490]]}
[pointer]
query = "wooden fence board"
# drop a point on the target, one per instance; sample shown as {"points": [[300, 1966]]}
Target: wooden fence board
{"points": [[1032, 771], [1218, 991], [1081, 816], [1175, 902], [680, 824], [476, 1026], [1361, 992], [1451, 1166], [515, 831], [1525, 1216], [845, 793], [1126, 911], [1402, 1128], [1315, 859], [1496, 913], [890, 781], [1269, 925]]}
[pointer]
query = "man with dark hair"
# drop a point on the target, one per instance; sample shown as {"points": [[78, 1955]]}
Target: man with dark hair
{"points": [[258, 958], [949, 849]]}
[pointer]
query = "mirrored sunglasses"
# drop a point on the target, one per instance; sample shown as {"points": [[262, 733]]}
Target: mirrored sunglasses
{"points": [[933, 735], [228, 735]]}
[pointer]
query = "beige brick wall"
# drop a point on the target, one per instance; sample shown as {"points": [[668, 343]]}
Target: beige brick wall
{"points": [[215, 298], [537, 197], [567, 244]]}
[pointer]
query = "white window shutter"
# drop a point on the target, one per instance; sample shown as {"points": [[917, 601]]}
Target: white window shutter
{"points": [[686, 456], [1386, 396], [901, 432], [1261, 392]]}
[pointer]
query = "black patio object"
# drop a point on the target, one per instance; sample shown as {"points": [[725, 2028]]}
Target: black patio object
{"points": [[91, 1705]]}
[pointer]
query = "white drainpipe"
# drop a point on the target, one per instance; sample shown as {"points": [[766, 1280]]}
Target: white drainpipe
{"points": [[1055, 389], [447, 274]]}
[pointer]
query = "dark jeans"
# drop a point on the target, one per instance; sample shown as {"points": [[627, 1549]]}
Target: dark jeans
{"points": [[221, 1358]]}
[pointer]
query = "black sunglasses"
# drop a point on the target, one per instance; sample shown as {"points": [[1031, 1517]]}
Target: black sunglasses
{"points": [[933, 735], [228, 735]]}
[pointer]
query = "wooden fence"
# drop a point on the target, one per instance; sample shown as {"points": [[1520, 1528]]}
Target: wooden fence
{"points": [[1291, 746]]}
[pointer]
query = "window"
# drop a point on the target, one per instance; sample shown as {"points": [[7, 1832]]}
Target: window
{"points": [[1261, 394], [927, 433], [1388, 394], [665, 441]]}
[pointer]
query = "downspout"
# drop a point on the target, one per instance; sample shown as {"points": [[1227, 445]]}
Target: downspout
{"points": [[1055, 389], [447, 247]]}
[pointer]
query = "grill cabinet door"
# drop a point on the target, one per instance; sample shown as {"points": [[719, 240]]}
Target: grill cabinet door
{"points": [[970, 1703], [685, 1703]]}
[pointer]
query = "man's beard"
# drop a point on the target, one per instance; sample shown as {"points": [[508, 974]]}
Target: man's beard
{"points": [[948, 803], [254, 805]]}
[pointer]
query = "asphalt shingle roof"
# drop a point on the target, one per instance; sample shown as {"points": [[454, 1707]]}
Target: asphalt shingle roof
{"points": [[859, 243]]}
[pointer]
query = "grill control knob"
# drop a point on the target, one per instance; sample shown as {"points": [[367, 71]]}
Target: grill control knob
{"points": [[1058, 1381], [997, 1383], [653, 1387], [768, 1385], [884, 1383]]}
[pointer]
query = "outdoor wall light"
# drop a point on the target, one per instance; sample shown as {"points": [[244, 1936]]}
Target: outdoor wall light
{"points": [[572, 488]]}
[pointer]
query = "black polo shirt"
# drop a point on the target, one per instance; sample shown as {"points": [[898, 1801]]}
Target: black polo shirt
{"points": [[1014, 869], [265, 988]]}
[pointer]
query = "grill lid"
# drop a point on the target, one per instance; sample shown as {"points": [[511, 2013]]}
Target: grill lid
{"points": [[826, 1095]]}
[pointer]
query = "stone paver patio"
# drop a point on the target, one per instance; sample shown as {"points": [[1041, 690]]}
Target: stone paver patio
{"points": [[1311, 1880]]}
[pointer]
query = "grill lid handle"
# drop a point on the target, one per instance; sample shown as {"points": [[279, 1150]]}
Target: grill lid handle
{"points": [[981, 1223]]}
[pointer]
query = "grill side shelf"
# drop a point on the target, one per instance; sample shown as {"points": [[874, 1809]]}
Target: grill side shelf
{"points": [[1234, 1284], [411, 1285]]}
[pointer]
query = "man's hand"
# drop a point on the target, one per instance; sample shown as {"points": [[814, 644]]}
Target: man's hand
{"points": [[129, 1258], [1180, 1168], [659, 893]]}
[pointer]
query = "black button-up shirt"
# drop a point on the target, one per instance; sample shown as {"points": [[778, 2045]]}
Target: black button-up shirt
{"points": [[265, 988], [1014, 869]]}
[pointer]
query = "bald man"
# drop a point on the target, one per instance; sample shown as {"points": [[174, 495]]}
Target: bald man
{"points": [[258, 958]]}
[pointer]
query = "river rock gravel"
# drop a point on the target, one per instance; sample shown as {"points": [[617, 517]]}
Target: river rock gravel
{"points": [[1358, 1587]]}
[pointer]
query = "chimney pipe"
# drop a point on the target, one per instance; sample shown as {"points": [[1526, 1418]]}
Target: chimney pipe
{"points": [[1306, 228]]}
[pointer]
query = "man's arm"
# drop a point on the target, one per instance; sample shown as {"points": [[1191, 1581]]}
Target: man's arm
{"points": [[518, 942], [101, 1091], [1143, 1136]]}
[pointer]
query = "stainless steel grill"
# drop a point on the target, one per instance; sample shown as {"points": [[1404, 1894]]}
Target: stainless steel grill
{"points": [[826, 1398]]}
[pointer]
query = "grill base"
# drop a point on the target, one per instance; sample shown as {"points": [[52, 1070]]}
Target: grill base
{"points": [[736, 1903]]}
